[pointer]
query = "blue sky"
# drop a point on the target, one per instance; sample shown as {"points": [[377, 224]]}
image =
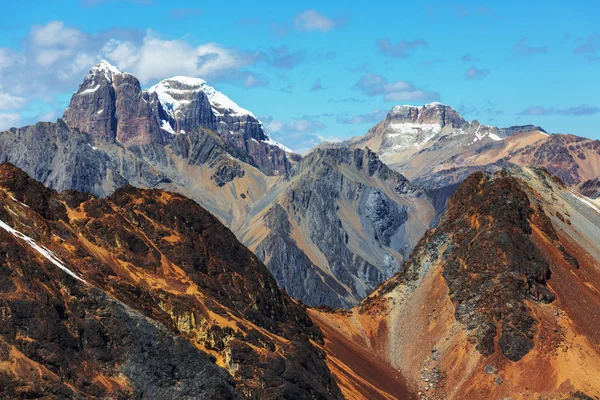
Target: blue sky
{"points": [[318, 70]]}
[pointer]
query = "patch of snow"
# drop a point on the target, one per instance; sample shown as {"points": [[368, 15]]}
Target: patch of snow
{"points": [[220, 103], [101, 111], [434, 104], [93, 147], [23, 204], [166, 125], [49, 255], [272, 142], [585, 201], [92, 90], [409, 127], [495, 137], [106, 68]]}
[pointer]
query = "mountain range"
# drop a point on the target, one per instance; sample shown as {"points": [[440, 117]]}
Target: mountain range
{"points": [[159, 244], [184, 136]]}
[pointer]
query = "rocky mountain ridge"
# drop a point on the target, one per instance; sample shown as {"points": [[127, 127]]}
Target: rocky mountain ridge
{"points": [[341, 224], [435, 147], [499, 300]]}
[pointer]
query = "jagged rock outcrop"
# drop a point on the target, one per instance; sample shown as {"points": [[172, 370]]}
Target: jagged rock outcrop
{"points": [[139, 295], [590, 188]]}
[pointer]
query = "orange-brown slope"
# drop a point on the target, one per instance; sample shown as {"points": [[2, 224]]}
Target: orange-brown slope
{"points": [[167, 262], [359, 372], [500, 300]]}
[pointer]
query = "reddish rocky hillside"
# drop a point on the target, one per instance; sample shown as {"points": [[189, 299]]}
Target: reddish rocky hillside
{"points": [[500, 300], [142, 295]]}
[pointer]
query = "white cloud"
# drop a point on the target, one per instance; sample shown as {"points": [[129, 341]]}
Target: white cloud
{"points": [[47, 57], [56, 34], [55, 58], [9, 120], [10, 102], [311, 20], [124, 54], [9, 58], [158, 58], [376, 85]]}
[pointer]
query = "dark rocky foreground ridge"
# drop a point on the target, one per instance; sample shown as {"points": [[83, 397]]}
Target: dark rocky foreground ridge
{"points": [[141, 295]]}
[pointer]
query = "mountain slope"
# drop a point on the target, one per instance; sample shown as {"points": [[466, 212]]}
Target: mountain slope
{"points": [[499, 300], [342, 223], [139, 295]]}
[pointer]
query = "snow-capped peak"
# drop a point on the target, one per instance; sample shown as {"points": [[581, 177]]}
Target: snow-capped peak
{"points": [[428, 105], [106, 68], [169, 90]]}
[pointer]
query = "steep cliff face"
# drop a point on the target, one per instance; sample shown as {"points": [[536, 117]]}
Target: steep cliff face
{"points": [[111, 103], [342, 223], [140, 295], [499, 300], [191, 104]]}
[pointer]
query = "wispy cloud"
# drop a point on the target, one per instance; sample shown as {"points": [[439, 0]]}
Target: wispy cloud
{"points": [[469, 58], [374, 116], [311, 21], [10, 120], [475, 73], [588, 47], [576, 111], [376, 85], [300, 134], [400, 49], [316, 86], [280, 57], [254, 80], [523, 48]]}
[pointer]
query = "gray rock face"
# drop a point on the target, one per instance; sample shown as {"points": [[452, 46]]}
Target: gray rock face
{"points": [[385, 215], [371, 195], [192, 105], [291, 267], [434, 113]]}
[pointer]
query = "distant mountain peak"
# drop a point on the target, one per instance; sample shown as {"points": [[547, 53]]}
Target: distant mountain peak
{"points": [[436, 114], [106, 68], [434, 104]]}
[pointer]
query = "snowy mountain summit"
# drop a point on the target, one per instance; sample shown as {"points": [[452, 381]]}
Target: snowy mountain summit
{"points": [[111, 103]]}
